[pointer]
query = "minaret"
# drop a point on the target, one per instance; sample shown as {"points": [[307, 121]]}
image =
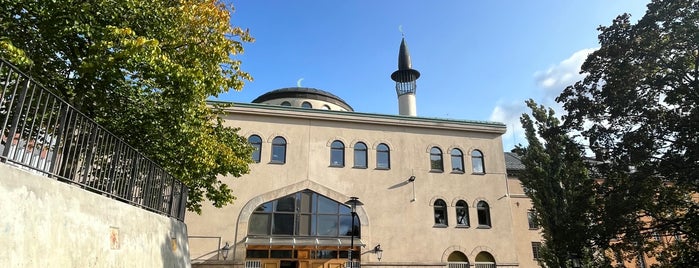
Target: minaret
{"points": [[405, 78]]}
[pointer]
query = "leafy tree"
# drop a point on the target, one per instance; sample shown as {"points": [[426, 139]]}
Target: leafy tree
{"points": [[143, 69], [557, 181], [638, 107]]}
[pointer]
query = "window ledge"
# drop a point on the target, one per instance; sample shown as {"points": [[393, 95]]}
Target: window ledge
{"points": [[336, 166], [440, 226], [380, 168], [478, 173], [359, 167], [457, 172], [483, 227], [436, 171], [462, 226], [277, 162]]}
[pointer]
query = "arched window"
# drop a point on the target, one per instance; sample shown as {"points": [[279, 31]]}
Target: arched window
{"points": [[457, 259], [440, 213], [477, 161], [360, 155], [306, 104], [457, 161], [383, 157], [326, 107], [483, 215], [256, 142], [462, 214], [337, 154], [485, 259], [436, 163], [286, 103], [279, 150]]}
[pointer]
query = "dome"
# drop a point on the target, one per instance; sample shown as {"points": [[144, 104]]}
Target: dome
{"points": [[304, 97]]}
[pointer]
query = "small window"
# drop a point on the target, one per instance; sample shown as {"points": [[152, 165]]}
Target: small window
{"points": [[436, 163], [360, 155], [531, 218], [477, 162], [286, 103], [536, 249], [383, 157], [440, 213], [483, 215], [326, 107], [462, 214], [279, 150], [337, 154], [256, 143], [306, 104], [457, 161]]}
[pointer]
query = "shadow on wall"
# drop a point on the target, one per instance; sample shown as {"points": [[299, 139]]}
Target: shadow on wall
{"points": [[174, 249]]}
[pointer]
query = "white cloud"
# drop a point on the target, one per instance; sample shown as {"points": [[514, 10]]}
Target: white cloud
{"points": [[557, 77], [508, 114]]}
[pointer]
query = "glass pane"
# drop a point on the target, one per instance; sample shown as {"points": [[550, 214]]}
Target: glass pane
{"points": [[256, 153], [258, 254], [305, 225], [286, 204], [337, 157], [436, 162], [478, 165], [325, 254], [283, 224], [345, 223], [345, 210], [360, 158], [327, 225], [282, 254], [457, 161], [306, 203], [461, 216], [278, 153], [382, 160], [259, 224], [327, 206], [266, 207]]}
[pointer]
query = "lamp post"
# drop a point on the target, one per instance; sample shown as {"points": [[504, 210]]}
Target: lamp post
{"points": [[378, 251], [224, 250], [353, 203]]}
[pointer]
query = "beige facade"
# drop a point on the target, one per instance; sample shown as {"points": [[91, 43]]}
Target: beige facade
{"points": [[397, 214]]}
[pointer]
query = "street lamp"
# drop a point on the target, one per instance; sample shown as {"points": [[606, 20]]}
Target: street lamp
{"points": [[378, 251], [224, 250], [353, 203]]}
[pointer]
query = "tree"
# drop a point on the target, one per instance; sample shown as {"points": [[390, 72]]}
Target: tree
{"points": [[638, 108], [144, 70], [557, 181]]}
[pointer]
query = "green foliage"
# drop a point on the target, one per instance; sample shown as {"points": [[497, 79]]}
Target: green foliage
{"points": [[557, 181], [143, 69], [639, 108]]}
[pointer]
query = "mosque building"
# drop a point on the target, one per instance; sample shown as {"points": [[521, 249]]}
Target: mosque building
{"points": [[330, 184]]}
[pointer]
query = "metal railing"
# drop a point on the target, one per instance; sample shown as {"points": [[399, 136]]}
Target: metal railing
{"points": [[42, 133]]}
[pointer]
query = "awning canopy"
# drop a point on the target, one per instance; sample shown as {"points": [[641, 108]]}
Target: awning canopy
{"points": [[302, 241]]}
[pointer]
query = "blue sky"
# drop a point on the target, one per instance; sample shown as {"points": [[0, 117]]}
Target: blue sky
{"points": [[479, 60]]}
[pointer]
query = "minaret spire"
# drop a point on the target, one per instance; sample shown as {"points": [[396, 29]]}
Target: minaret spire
{"points": [[405, 78]]}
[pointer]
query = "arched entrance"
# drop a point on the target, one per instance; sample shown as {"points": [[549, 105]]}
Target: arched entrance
{"points": [[485, 260], [458, 259], [301, 230]]}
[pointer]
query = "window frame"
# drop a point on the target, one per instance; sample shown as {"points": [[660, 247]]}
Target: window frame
{"points": [[363, 152], [277, 145], [257, 153], [436, 160], [459, 157], [306, 105], [536, 250], [477, 158], [337, 146], [285, 103], [379, 155], [440, 207], [483, 215], [462, 206], [532, 219]]}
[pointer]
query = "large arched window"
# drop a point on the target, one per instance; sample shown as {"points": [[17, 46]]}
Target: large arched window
{"points": [[303, 214], [279, 150], [483, 214], [256, 143], [440, 213], [360, 155], [457, 161], [462, 214], [436, 163], [477, 162], [383, 157], [337, 154]]}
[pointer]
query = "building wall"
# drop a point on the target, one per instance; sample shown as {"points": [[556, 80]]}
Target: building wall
{"points": [[524, 236], [47, 223], [390, 217]]}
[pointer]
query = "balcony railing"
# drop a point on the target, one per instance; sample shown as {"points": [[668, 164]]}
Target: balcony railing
{"points": [[42, 133]]}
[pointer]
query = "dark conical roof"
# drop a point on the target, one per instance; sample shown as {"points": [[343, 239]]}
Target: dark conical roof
{"points": [[405, 72]]}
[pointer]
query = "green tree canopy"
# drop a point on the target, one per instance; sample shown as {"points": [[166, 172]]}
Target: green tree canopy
{"points": [[557, 181], [638, 107], [144, 70]]}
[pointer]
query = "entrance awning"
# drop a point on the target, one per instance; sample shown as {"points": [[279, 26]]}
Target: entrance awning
{"points": [[302, 241]]}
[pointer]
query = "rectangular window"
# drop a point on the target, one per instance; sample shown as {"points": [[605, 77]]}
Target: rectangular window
{"points": [[531, 218], [536, 247]]}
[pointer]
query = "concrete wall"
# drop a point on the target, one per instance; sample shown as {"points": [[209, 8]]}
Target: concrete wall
{"points": [[47, 223]]}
